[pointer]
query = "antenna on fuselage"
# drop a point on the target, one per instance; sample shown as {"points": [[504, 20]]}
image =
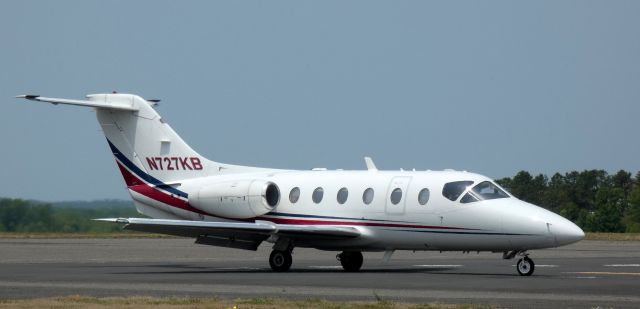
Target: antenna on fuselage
{"points": [[370, 165]]}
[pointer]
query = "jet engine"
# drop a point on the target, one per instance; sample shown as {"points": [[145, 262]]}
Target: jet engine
{"points": [[241, 199]]}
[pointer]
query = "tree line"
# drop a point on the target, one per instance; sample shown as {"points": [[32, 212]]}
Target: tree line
{"points": [[18, 215], [593, 199]]}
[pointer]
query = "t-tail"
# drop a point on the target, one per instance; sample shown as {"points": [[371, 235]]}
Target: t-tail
{"points": [[147, 150]]}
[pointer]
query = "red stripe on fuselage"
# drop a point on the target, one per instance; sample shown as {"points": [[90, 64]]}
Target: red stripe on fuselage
{"points": [[129, 178], [136, 184], [162, 197], [320, 222]]}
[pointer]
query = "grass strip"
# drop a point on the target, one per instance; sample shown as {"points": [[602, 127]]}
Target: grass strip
{"points": [[613, 236], [142, 302]]}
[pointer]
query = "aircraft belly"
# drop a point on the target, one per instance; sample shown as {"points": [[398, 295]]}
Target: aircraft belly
{"points": [[381, 239], [437, 240]]}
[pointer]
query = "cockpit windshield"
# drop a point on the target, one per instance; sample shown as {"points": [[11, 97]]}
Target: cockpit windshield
{"points": [[485, 190]]}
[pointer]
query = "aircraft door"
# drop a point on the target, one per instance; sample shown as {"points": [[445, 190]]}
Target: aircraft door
{"points": [[397, 195]]}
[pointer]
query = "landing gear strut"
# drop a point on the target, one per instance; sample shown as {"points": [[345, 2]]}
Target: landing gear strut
{"points": [[525, 266], [280, 260], [351, 260]]}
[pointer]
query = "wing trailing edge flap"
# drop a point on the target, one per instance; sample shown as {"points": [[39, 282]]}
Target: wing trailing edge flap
{"points": [[240, 235]]}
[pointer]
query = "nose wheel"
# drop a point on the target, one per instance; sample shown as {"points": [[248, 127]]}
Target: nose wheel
{"points": [[351, 260], [280, 260], [525, 266]]}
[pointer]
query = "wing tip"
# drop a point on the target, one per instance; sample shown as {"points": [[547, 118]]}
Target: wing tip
{"points": [[114, 220], [28, 96]]}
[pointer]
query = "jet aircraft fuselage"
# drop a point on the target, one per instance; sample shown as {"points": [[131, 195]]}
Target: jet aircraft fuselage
{"points": [[350, 211]]}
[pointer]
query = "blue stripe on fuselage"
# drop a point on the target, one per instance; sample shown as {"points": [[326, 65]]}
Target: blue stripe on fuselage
{"points": [[281, 214], [140, 173]]}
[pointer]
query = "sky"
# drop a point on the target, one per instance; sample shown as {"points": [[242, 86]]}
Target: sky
{"points": [[492, 87]]}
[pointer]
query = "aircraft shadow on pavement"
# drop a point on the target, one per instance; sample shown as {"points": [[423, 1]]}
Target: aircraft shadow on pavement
{"points": [[178, 269]]}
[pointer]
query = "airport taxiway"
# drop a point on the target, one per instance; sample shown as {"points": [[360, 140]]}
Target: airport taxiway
{"points": [[584, 275]]}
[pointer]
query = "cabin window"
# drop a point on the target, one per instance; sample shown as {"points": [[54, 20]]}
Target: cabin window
{"points": [[367, 196], [423, 196], [294, 195], [453, 190], [396, 196], [317, 195], [343, 194]]}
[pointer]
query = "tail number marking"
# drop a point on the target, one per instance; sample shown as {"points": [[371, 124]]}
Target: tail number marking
{"points": [[174, 163]]}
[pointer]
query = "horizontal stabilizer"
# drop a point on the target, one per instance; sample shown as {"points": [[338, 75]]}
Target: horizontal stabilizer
{"points": [[97, 104]]}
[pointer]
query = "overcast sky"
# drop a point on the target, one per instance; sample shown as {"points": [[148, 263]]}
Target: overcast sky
{"points": [[493, 87]]}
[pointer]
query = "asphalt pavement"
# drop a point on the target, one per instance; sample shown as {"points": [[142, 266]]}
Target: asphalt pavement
{"points": [[588, 274]]}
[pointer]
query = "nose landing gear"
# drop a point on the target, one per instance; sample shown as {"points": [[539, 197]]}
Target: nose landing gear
{"points": [[525, 266]]}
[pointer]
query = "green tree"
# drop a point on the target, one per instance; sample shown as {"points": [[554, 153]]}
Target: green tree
{"points": [[622, 179], [526, 187], [583, 186], [632, 216], [12, 214], [609, 212]]}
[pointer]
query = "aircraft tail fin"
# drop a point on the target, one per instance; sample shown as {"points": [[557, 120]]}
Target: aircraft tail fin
{"points": [[146, 148]]}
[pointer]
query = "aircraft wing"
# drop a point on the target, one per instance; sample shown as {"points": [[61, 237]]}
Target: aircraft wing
{"points": [[241, 235]]}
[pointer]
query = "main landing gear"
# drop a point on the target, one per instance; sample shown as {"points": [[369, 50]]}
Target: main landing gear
{"points": [[525, 265], [280, 260], [351, 260]]}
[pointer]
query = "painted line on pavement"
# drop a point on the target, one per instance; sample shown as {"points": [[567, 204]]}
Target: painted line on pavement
{"points": [[326, 267], [437, 265], [610, 273]]}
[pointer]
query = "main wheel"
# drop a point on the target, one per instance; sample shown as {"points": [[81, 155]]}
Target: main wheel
{"points": [[351, 260], [525, 266], [280, 260]]}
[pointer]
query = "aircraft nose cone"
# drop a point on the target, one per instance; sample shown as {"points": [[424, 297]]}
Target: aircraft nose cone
{"points": [[566, 232]]}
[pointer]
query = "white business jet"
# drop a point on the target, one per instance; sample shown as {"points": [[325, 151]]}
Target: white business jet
{"points": [[350, 211]]}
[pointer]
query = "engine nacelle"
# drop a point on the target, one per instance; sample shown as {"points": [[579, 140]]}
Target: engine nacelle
{"points": [[240, 199]]}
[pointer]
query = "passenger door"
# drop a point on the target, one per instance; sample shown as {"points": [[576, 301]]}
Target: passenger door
{"points": [[397, 195]]}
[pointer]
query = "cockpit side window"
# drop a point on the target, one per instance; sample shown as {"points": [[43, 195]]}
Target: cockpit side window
{"points": [[485, 190], [452, 190], [468, 198]]}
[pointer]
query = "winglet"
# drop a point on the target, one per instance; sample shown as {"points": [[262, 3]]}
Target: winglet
{"points": [[370, 165]]}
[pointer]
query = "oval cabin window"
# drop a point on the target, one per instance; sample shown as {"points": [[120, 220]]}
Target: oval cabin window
{"points": [[294, 195], [396, 196], [317, 195], [423, 196], [343, 194], [367, 196]]}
